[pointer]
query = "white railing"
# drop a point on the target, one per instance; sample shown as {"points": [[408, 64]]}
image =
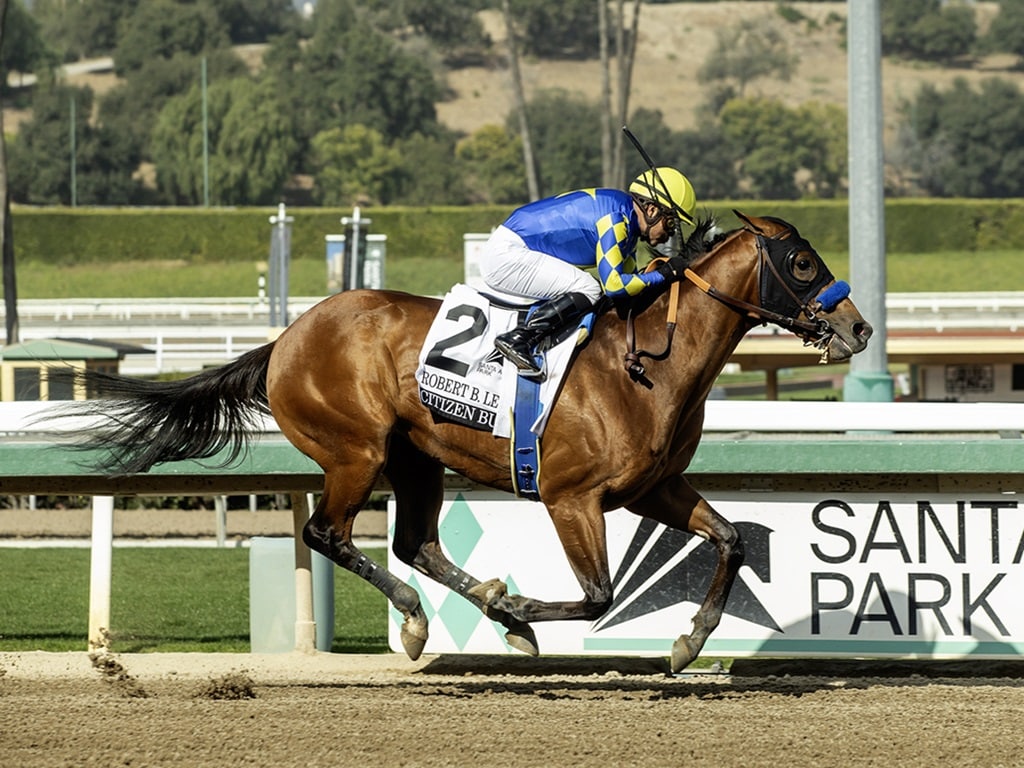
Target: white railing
{"points": [[1003, 309], [25, 418], [190, 334]]}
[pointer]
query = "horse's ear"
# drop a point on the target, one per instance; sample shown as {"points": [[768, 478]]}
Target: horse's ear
{"points": [[748, 221]]}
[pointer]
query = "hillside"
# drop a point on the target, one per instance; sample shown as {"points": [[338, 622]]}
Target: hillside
{"points": [[675, 39]]}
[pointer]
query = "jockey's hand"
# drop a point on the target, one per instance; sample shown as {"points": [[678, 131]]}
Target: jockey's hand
{"points": [[672, 268]]}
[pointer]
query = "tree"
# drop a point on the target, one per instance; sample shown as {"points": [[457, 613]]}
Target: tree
{"points": [[354, 166], [429, 172], [41, 153], [1006, 32], [746, 51], [519, 98], [774, 144], [493, 162], [6, 231], [567, 151], [161, 29], [79, 30], [926, 29], [23, 48], [564, 29], [968, 143], [351, 73], [253, 21], [130, 110], [251, 145], [703, 154]]}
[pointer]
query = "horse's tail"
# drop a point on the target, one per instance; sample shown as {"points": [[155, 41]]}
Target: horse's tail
{"points": [[142, 423]]}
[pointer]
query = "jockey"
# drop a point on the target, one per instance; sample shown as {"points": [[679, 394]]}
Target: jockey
{"points": [[542, 248]]}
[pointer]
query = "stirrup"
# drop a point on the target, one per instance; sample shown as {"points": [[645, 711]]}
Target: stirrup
{"points": [[521, 361]]}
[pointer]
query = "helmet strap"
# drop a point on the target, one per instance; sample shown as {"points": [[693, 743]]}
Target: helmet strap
{"points": [[650, 220]]}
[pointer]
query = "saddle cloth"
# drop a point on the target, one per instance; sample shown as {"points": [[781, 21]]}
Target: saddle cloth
{"points": [[463, 379]]}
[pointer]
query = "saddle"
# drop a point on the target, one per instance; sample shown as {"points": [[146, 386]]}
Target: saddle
{"points": [[463, 379]]}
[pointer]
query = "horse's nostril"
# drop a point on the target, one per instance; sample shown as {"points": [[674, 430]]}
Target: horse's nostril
{"points": [[863, 330]]}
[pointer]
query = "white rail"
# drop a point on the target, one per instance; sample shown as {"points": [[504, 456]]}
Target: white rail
{"points": [[24, 418], [190, 334]]}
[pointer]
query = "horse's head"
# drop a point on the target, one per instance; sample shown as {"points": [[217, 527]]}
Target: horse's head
{"points": [[797, 291]]}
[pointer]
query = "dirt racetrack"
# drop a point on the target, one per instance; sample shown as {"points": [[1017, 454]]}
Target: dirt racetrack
{"points": [[339, 710]]}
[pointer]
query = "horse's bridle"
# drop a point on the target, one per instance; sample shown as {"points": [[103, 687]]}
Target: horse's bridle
{"points": [[779, 302]]}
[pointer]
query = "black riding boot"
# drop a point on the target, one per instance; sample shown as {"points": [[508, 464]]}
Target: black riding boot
{"points": [[518, 344]]}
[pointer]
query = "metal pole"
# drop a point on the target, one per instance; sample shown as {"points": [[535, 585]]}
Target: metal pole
{"points": [[305, 625], [74, 152], [280, 245], [869, 379], [353, 249], [206, 142], [99, 572]]}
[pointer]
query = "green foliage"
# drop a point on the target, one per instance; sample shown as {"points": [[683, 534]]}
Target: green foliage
{"points": [[252, 147], [351, 73], [163, 28], [353, 166], [927, 29], [773, 143], [967, 143], [82, 29], [253, 21], [430, 172], [24, 48], [566, 144], [746, 51], [564, 29], [493, 160], [39, 159], [1006, 32]]}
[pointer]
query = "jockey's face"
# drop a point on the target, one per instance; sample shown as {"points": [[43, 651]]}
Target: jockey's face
{"points": [[662, 228]]}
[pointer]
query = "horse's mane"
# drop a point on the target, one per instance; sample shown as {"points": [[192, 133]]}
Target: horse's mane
{"points": [[705, 236], [702, 240]]}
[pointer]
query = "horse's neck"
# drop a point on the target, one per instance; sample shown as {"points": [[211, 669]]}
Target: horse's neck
{"points": [[714, 329]]}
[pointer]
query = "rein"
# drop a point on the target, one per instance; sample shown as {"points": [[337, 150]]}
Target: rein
{"points": [[811, 330]]}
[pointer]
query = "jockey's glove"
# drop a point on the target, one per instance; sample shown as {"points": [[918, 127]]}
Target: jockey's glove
{"points": [[672, 268]]}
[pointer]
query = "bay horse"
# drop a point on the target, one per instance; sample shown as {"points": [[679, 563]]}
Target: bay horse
{"points": [[340, 383]]}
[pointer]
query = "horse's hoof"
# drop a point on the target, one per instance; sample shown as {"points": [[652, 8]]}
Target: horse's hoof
{"points": [[488, 591], [683, 653], [523, 638], [414, 638]]}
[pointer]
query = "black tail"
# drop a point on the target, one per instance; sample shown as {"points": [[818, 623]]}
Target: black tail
{"points": [[148, 422]]}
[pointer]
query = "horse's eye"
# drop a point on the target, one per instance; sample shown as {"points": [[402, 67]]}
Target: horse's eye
{"points": [[804, 267]]}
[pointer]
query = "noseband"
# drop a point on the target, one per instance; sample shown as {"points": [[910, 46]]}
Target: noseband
{"points": [[783, 299]]}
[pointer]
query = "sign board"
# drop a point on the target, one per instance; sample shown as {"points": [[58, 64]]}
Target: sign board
{"points": [[472, 247], [826, 574], [369, 272]]}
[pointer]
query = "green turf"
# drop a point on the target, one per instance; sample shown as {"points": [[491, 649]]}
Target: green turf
{"points": [[162, 599], [925, 272]]}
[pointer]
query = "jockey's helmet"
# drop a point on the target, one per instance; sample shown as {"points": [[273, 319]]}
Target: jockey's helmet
{"points": [[668, 188]]}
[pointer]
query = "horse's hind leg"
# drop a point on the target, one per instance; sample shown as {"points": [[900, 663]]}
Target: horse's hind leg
{"points": [[418, 484], [676, 504], [329, 532]]}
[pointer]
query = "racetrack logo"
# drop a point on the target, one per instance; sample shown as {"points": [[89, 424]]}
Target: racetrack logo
{"points": [[665, 566]]}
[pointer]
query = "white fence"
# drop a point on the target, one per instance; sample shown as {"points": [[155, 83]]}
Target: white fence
{"points": [[190, 334]]}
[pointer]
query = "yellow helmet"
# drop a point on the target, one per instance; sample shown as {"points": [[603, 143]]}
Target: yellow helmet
{"points": [[668, 188]]}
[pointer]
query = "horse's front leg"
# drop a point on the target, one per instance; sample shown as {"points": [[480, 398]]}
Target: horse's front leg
{"points": [[579, 523], [676, 504]]}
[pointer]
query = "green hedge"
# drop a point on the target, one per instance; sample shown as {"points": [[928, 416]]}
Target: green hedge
{"points": [[89, 235]]}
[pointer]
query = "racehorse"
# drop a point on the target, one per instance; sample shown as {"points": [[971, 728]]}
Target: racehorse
{"points": [[340, 383]]}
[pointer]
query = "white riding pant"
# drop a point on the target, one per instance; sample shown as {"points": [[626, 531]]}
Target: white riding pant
{"points": [[509, 267]]}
